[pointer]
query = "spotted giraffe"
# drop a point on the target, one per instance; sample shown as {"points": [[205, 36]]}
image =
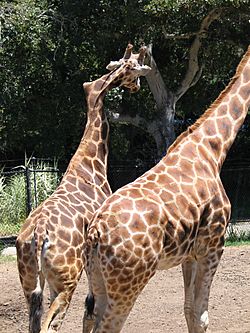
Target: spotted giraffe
{"points": [[176, 213], [49, 246]]}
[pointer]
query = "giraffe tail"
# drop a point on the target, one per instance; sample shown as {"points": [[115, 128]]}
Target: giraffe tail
{"points": [[90, 257], [36, 298], [89, 317], [36, 311]]}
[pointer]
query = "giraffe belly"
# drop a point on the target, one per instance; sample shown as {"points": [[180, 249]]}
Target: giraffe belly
{"points": [[174, 254], [168, 262]]}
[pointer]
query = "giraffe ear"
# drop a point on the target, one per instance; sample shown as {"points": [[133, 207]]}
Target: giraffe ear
{"points": [[86, 86], [113, 65], [143, 70]]}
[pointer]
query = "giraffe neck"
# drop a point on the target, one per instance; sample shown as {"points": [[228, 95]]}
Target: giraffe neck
{"points": [[92, 152], [216, 130], [95, 137]]}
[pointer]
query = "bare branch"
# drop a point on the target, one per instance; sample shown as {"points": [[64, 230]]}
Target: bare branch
{"points": [[197, 76], [194, 70], [125, 118], [174, 36]]}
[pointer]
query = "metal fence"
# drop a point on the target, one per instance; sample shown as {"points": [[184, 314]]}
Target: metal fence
{"points": [[23, 188], [29, 175], [30, 180], [235, 176], [236, 180]]}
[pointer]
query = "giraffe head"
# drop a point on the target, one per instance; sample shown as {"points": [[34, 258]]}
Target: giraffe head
{"points": [[126, 71]]}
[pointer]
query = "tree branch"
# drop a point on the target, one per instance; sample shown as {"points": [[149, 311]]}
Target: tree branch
{"points": [[125, 118], [174, 36], [162, 133], [193, 72]]}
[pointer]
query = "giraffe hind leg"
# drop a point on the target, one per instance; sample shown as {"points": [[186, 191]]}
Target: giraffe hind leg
{"points": [[114, 315], [189, 269], [36, 305], [198, 277], [96, 301], [95, 307], [32, 283], [57, 311], [111, 310]]}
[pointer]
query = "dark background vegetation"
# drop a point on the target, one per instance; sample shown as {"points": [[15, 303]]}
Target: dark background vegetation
{"points": [[49, 48]]}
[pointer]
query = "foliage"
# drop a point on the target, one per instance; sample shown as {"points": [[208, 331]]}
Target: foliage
{"points": [[44, 179], [24, 29], [130, 141], [13, 193], [49, 48], [12, 198], [36, 80]]}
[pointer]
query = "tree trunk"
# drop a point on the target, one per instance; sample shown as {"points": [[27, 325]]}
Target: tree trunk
{"points": [[162, 128]]}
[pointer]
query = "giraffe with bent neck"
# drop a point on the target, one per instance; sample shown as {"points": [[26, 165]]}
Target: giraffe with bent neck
{"points": [[49, 246], [176, 213]]}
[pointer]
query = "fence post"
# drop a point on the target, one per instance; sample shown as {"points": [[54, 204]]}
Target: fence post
{"points": [[28, 191], [35, 188]]}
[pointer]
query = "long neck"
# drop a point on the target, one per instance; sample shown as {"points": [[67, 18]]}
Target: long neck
{"points": [[216, 130], [92, 152], [95, 137]]}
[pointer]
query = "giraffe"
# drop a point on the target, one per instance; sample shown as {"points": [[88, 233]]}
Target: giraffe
{"points": [[49, 246], [176, 213]]}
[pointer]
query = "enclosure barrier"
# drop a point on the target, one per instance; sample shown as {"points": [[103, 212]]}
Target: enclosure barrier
{"points": [[24, 187]]}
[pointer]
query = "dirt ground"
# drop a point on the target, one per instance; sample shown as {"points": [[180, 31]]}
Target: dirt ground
{"points": [[159, 308]]}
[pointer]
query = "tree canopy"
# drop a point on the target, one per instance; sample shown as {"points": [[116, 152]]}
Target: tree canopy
{"points": [[49, 48]]}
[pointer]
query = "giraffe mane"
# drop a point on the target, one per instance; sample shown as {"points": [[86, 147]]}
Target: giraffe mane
{"points": [[214, 105]]}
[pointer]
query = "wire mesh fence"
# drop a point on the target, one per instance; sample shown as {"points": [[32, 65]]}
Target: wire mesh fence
{"points": [[235, 176], [24, 187], [236, 180]]}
